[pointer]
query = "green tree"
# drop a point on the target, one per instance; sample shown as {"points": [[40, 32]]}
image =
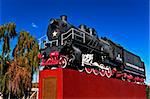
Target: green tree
{"points": [[148, 91], [7, 32], [23, 65], [16, 73]]}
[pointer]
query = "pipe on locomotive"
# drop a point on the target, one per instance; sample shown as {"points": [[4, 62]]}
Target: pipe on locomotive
{"points": [[63, 18], [82, 27]]}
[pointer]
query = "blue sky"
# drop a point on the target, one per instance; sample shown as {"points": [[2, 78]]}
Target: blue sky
{"points": [[123, 21]]}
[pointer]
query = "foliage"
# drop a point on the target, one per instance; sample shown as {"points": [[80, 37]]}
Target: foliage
{"points": [[16, 74], [25, 62], [148, 92], [7, 32]]}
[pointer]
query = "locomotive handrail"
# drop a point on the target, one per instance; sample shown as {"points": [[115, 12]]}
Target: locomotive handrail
{"points": [[40, 40], [62, 38], [79, 32], [54, 41], [42, 37], [104, 41], [65, 38], [134, 66], [47, 41], [73, 34], [67, 31], [134, 72], [83, 34]]}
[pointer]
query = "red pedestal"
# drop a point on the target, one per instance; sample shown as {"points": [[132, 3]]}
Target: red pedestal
{"points": [[71, 84]]}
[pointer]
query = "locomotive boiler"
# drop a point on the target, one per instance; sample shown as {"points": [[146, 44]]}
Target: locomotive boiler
{"points": [[80, 48]]}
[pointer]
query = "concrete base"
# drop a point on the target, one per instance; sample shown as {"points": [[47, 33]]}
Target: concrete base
{"points": [[71, 84]]}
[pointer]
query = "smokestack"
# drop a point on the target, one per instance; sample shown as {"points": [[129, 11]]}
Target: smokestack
{"points": [[82, 27], [63, 18], [51, 20]]}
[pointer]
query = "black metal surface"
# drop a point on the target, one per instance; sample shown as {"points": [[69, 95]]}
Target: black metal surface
{"points": [[115, 54]]}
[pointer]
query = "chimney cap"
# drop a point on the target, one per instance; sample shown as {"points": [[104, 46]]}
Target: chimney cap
{"points": [[63, 17], [82, 25]]}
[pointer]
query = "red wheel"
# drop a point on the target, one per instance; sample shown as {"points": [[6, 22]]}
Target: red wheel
{"points": [[53, 68], [80, 69], [122, 78], [63, 61], [102, 72], [129, 80], [88, 70], [114, 71], [96, 71], [108, 72], [142, 80]]}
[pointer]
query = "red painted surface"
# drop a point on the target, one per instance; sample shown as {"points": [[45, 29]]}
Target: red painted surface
{"points": [[52, 73], [53, 59], [75, 85]]}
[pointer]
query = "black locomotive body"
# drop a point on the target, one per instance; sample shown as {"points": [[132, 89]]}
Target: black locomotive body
{"points": [[80, 48]]}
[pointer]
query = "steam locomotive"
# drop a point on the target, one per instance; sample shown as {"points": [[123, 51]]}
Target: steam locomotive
{"points": [[80, 48]]}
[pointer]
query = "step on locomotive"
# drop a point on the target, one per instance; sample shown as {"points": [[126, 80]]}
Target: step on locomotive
{"points": [[80, 48]]}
